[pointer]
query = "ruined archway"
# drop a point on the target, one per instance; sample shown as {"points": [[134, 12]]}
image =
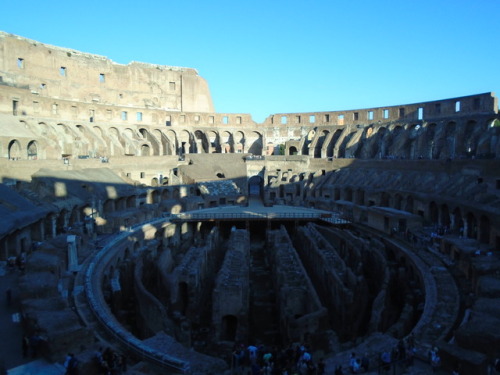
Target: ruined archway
{"points": [[14, 150], [32, 150]]}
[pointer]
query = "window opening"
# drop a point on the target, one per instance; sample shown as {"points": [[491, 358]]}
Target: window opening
{"points": [[457, 106], [225, 120], [438, 108], [421, 113], [14, 107], [124, 115], [327, 118], [102, 78], [62, 71], [139, 116], [356, 116], [370, 115], [386, 113], [312, 119], [20, 63], [401, 112], [283, 120]]}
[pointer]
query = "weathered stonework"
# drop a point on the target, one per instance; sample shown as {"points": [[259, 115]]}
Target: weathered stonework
{"points": [[91, 149]]}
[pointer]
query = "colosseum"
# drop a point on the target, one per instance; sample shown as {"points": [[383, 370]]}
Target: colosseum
{"points": [[134, 217]]}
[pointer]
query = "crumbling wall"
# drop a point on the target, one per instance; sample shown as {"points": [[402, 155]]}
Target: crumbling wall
{"points": [[231, 294], [300, 308], [192, 279], [343, 289]]}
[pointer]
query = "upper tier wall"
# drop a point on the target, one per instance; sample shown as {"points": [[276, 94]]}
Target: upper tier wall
{"points": [[485, 103], [55, 72]]}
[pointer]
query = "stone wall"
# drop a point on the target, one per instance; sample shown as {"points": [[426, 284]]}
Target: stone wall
{"points": [[231, 293], [300, 308]]}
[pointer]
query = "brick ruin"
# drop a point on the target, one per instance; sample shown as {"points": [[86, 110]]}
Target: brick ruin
{"points": [[98, 159]]}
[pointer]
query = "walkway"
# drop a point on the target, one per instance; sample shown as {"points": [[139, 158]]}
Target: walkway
{"points": [[257, 211]]}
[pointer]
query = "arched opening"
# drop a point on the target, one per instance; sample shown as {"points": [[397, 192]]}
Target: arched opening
{"points": [[484, 229], [255, 186], [471, 226], [293, 150], [32, 151], [398, 199], [229, 327], [445, 216], [409, 204], [145, 150], [14, 150], [433, 213], [457, 221], [384, 199]]}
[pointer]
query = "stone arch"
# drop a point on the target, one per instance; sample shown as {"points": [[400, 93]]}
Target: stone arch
{"points": [[293, 150], [377, 149], [255, 143], [445, 216], [229, 328], [307, 141], [98, 131], [413, 136], [398, 200], [433, 213], [471, 225], [445, 143], [74, 216], [334, 141], [165, 194], [145, 150], [255, 186], [484, 229], [131, 201], [174, 142], [322, 136], [239, 142], [348, 194], [186, 143], [429, 148], [457, 222], [409, 204], [61, 221], [154, 143], [14, 150], [384, 199], [469, 144], [227, 142], [108, 206], [214, 140], [202, 143], [32, 150]]}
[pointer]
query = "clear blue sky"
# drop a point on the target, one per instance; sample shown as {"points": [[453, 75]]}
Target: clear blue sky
{"points": [[274, 56]]}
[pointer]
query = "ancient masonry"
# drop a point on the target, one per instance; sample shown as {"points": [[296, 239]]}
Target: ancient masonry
{"points": [[127, 201]]}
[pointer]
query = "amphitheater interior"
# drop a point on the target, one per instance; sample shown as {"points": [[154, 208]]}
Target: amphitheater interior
{"points": [[145, 221]]}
